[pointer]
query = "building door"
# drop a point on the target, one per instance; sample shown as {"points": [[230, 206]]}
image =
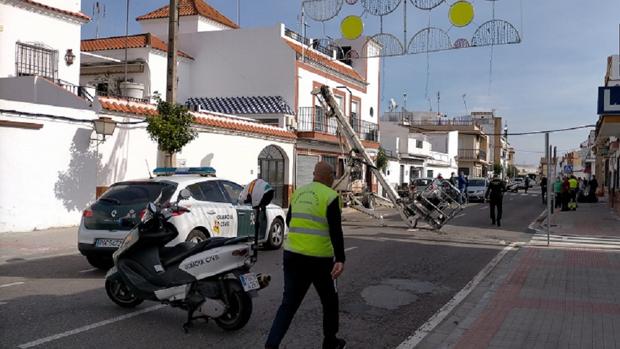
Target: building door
{"points": [[271, 170]]}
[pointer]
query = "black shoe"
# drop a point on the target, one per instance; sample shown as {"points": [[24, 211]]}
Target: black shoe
{"points": [[499, 224], [492, 222], [339, 343]]}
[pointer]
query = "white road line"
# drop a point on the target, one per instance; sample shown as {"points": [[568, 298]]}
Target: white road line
{"points": [[350, 248], [3, 303], [442, 313], [12, 284], [88, 270], [459, 215], [88, 327]]}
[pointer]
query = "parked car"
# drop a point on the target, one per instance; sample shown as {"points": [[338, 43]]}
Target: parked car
{"points": [[421, 183], [213, 210], [476, 188]]}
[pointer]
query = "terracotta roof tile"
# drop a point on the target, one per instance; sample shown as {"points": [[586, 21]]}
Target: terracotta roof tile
{"points": [[206, 119], [325, 61], [133, 41], [192, 8], [76, 15]]}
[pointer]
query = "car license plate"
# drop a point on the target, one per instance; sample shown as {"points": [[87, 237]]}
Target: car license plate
{"points": [[249, 282], [108, 243]]}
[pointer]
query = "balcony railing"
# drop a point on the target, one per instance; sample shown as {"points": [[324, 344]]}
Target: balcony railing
{"points": [[408, 118], [314, 120], [472, 154]]}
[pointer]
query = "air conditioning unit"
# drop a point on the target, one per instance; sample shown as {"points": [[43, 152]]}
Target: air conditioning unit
{"points": [[291, 122]]}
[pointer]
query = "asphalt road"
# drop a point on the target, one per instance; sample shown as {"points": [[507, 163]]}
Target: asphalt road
{"points": [[394, 280]]}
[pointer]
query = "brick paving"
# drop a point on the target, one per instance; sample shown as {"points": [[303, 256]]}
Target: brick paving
{"points": [[544, 297]]}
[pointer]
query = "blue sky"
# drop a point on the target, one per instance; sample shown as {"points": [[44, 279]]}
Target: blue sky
{"points": [[548, 81]]}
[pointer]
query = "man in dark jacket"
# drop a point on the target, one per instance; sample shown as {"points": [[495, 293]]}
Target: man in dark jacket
{"points": [[495, 195]]}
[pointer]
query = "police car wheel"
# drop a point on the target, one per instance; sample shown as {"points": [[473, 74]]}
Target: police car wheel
{"points": [[196, 236], [276, 234]]}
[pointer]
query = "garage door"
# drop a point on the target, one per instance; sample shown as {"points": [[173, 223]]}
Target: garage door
{"points": [[304, 169]]}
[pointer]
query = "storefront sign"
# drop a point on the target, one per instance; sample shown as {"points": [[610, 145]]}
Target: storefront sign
{"points": [[609, 100]]}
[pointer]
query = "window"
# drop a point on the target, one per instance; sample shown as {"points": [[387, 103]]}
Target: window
{"points": [[340, 102], [331, 160], [35, 60], [429, 173], [212, 192], [137, 193], [419, 144], [232, 190], [196, 191]]}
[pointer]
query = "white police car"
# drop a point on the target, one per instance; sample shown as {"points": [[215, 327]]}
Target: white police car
{"points": [[213, 211]]}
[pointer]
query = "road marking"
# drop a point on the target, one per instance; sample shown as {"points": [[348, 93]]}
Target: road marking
{"points": [[442, 313], [459, 215], [483, 207], [12, 284], [350, 248], [88, 327], [3, 303], [88, 270]]}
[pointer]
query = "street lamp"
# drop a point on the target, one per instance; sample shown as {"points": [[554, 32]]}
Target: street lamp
{"points": [[104, 126]]}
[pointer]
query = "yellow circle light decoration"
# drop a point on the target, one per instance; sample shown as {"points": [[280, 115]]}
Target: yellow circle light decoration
{"points": [[352, 27], [461, 13]]}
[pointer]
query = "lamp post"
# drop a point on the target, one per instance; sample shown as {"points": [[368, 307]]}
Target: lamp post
{"points": [[104, 126]]}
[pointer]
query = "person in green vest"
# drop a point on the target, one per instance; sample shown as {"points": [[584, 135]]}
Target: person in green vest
{"points": [[313, 255], [557, 190], [573, 184]]}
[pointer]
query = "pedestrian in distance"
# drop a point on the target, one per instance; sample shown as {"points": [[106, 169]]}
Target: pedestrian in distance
{"points": [[495, 195], [462, 185], [592, 192], [527, 183], [565, 193], [543, 189], [573, 186], [557, 190], [313, 255]]}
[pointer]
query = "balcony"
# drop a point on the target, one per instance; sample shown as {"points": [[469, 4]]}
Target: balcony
{"points": [[472, 155], [314, 120]]}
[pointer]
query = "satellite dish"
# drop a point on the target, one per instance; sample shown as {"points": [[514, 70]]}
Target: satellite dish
{"points": [[393, 104]]}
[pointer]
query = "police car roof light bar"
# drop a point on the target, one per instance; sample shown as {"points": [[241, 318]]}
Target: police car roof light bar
{"points": [[169, 171]]}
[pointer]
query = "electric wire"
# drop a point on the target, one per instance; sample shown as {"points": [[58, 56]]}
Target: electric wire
{"points": [[65, 118], [421, 128]]}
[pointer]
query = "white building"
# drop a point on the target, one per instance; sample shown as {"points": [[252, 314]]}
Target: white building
{"points": [[417, 155], [60, 162]]}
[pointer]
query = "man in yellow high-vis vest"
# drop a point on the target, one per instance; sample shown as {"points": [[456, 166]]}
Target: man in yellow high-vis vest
{"points": [[313, 254]]}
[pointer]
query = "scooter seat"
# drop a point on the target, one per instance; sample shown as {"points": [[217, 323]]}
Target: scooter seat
{"points": [[173, 255]]}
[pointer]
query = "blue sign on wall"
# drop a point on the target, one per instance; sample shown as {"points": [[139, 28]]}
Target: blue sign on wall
{"points": [[568, 169], [609, 100]]}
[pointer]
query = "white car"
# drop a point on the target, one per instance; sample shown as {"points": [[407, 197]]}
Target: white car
{"points": [[213, 211], [476, 188]]}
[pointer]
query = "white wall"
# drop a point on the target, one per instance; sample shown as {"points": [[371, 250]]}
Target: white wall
{"points": [[245, 62], [223, 152], [48, 175], [30, 27], [187, 24], [68, 5]]}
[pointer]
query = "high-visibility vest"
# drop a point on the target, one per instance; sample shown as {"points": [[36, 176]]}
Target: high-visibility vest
{"points": [[308, 232], [572, 182]]}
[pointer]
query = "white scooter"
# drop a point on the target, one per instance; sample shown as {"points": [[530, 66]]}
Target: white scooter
{"points": [[209, 279]]}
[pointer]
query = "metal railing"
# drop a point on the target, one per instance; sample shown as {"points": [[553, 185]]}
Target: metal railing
{"points": [[415, 119], [77, 90], [313, 44], [311, 119], [35, 60], [297, 37], [472, 154], [127, 98]]}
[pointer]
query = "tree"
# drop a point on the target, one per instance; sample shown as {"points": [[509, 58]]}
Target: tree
{"points": [[497, 169], [382, 160], [172, 128], [511, 171]]}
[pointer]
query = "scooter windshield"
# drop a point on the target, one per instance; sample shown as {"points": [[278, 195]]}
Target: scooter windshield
{"points": [[131, 239]]}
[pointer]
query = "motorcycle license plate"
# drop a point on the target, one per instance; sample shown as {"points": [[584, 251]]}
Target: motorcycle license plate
{"points": [[108, 242], [249, 282]]}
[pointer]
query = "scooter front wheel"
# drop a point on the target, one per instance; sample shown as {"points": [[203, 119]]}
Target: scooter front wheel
{"points": [[239, 308], [120, 294]]}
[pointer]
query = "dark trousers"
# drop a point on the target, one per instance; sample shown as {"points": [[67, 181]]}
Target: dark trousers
{"points": [[558, 200], [493, 204], [299, 273]]}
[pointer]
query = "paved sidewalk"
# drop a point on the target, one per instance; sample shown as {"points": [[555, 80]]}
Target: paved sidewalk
{"points": [[37, 244], [545, 297]]}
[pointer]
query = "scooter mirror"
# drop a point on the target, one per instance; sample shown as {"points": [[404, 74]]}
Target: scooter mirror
{"points": [[152, 208], [184, 195]]}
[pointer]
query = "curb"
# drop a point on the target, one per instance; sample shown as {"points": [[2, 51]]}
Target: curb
{"points": [[447, 309], [536, 224]]}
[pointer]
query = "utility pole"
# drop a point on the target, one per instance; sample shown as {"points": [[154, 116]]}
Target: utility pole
{"points": [[126, 37], [173, 25], [548, 155]]}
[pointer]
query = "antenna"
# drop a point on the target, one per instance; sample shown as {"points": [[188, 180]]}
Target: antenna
{"points": [[438, 99], [405, 101], [98, 14], [147, 169]]}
